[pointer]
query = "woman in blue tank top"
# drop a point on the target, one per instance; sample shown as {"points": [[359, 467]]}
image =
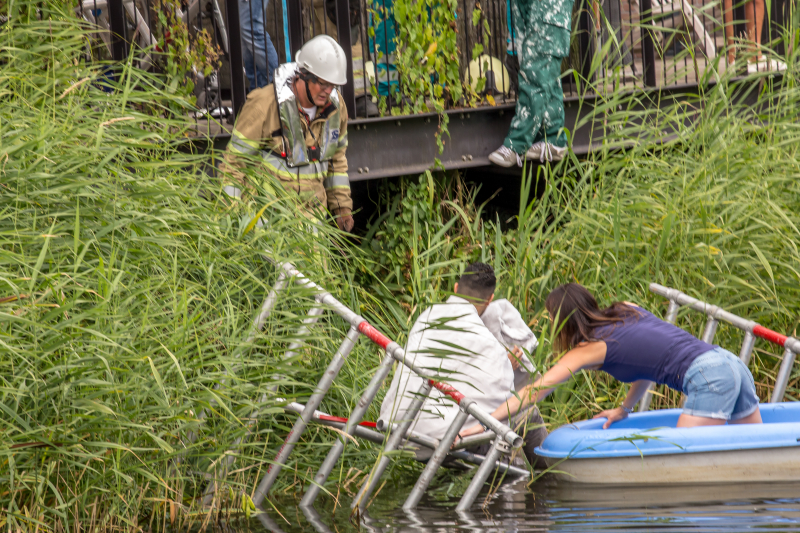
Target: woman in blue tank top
{"points": [[636, 347]]}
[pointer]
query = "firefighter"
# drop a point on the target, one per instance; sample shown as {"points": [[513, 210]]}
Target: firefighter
{"points": [[542, 29], [296, 128]]}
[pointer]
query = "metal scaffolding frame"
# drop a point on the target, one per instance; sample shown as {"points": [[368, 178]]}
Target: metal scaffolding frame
{"points": [[751, 329], [504, 438]]}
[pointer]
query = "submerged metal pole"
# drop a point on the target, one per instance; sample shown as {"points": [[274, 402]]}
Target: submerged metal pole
{"points": [[352, 423], [300, 425], [268, 523], [379, 438], [435, 461], [783, 376], [476, 459], [500, 447], [314, 519], [392, 444]]}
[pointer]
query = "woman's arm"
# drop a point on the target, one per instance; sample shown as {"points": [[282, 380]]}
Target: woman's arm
{"points": [[637, 390], [589, 355]]}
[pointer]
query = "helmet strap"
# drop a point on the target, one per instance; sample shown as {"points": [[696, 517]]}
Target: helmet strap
{"points": [[306, 77]]}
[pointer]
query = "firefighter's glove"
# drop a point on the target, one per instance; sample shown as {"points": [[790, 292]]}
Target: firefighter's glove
{"points": [[344, 219]]}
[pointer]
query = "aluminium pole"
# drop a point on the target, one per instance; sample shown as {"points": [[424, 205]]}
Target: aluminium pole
{"points": [[783, 376], [747, 347], [469, 406], [435, 461], [300, 425], [258, 323], [355, 417], [268, 523], [398, 433], [500, 447], [428, 442], [313, 315], [315, 520], [711, 328]]}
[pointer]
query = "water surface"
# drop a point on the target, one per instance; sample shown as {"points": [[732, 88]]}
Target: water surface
{"points": [[559, 506]]}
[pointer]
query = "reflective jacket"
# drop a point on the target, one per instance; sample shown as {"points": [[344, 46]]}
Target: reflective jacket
{"points": [[307, 159]]}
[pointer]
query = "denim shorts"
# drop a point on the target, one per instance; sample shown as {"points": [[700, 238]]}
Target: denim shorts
{"points": [[718, 385]]}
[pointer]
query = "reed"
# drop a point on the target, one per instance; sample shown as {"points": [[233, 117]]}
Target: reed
{"points": [[709, 210], [129, 286]]}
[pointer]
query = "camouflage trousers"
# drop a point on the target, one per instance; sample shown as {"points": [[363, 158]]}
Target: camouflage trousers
{"points": [[540, 108]]}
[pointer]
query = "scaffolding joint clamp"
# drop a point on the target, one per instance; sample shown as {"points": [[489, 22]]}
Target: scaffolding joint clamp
{"points": [[465, 404], [503, 446]]}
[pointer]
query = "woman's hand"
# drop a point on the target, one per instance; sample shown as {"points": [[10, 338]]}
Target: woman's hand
{"points": [[515, 356], [613, 415]]}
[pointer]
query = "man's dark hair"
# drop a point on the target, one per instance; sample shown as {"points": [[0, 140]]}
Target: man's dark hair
{"points": [[477, 282]]}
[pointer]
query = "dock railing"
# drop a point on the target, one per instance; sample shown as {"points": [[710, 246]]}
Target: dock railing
{"points": [[638, 44], [503, 437], [752, 330]]}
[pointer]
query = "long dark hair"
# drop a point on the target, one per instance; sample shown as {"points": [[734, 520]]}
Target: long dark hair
{"points": [[578, 315]]}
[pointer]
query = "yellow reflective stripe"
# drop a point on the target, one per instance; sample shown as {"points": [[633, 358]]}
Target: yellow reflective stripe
{"points": [[241, 144], [276, 165], [337, 181]]}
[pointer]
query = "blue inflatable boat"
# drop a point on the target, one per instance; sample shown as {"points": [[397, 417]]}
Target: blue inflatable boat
{"points": [[647, 448]]}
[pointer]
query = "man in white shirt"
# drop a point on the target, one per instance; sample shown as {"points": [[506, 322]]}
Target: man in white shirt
{"points": [[451, 341]]}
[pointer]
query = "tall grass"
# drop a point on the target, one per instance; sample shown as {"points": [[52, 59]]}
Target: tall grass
{"points": [[129, 288], [711, 210], [703, 198], [130, 282]]}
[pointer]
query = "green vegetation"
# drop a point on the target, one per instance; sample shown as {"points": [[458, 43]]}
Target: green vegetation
{"points": [[128, 292], [129, 284]]}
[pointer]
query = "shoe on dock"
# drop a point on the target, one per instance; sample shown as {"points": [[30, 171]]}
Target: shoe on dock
{"points": [[505, 157], [766, 65], [544, 151], [771, 65]]}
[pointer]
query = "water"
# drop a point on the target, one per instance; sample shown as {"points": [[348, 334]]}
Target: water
{"points": [[554, 506]]}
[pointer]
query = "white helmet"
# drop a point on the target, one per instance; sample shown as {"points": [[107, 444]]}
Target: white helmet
{"points": [[324, 58]]}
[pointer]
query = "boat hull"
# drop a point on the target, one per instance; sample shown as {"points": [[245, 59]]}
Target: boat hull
{"points": [[751, 466], [648, 448]]}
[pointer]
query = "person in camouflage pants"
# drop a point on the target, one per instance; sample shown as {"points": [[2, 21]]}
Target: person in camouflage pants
{"points": [[542, 29]]}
